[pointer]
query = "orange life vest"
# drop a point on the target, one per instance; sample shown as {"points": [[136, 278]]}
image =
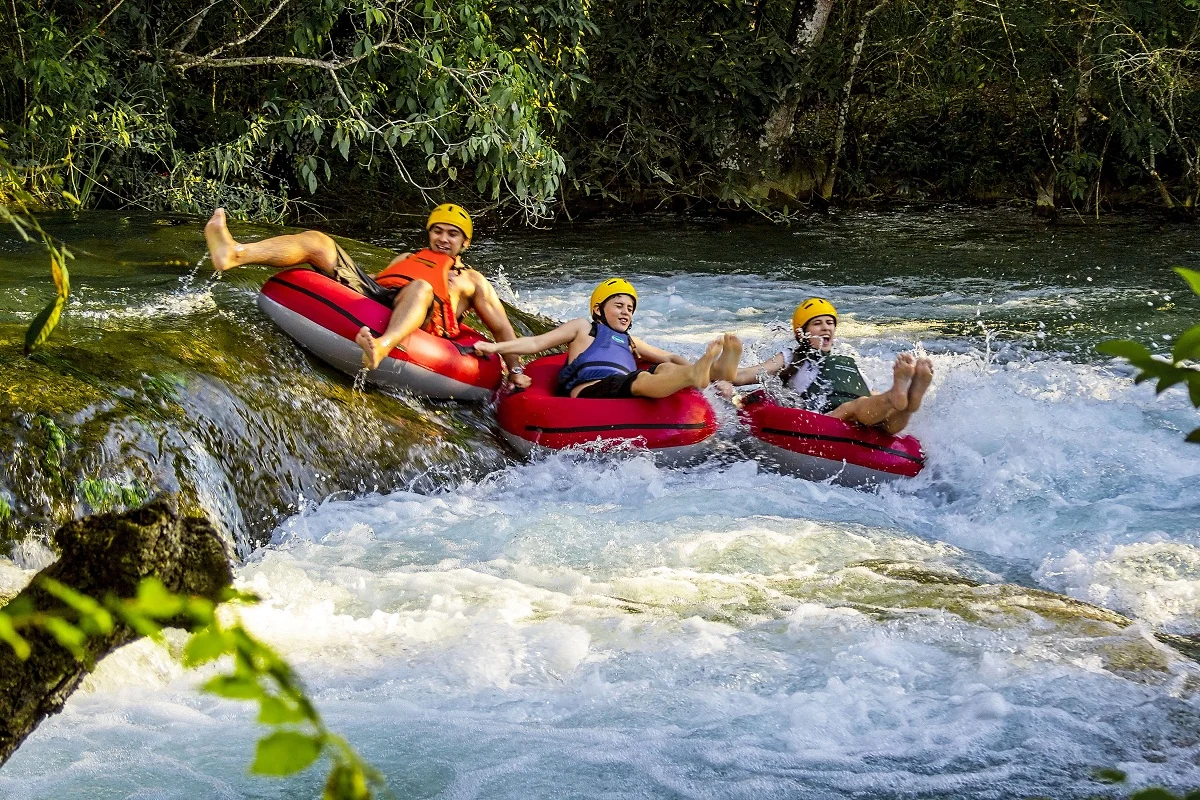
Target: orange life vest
{"points": [[434, 267]]}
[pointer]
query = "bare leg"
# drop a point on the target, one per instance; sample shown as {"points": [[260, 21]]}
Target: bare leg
{"points": [[489, 308], [725, 367], [668, 379], [878, 408], [292, 250], [408, 313]]}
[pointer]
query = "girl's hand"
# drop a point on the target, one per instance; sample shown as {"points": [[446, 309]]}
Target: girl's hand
{"points": [[484, 348]]}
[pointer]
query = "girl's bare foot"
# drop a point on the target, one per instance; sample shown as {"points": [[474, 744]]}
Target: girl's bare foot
{"points": [[922, 377], [902, 377], [702, 369], [725, 367], [221, 245], [373, 351]]}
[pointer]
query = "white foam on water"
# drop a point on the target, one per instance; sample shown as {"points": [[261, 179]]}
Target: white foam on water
{"points": [[606, 627]]}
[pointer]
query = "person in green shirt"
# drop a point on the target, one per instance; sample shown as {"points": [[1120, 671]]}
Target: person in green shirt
{"points": [[831, 384]]}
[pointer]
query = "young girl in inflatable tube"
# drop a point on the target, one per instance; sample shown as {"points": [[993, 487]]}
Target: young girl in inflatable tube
{"points": [[602, 355], [831, 384]]}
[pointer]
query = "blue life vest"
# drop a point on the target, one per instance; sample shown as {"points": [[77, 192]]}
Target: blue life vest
{"points": [[610, 354]]}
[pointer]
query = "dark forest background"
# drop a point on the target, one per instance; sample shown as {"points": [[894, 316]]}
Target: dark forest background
{"points": [[282, 109]]}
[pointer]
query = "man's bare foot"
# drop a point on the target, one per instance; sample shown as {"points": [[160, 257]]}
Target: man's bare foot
{"points": [[702, 369], [221, 245], [902, 377], [922, 377], [373, 351], [725, 367]]}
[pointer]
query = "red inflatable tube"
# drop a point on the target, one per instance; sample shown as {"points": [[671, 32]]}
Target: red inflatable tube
{"points": [[678, 425], [324, 316], [818, 446]]}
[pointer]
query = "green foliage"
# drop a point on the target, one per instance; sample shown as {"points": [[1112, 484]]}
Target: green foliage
{"points": [[5, 509], [255, 105], [1108, 775], [106, 494], [55, 448], [1181, 367], [256, 673], [161, 105], [14, 210]]}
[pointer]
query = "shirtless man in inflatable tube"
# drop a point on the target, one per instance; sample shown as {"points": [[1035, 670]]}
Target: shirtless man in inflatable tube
{"points": [[602, 355], [831, 384], [414, 303]]}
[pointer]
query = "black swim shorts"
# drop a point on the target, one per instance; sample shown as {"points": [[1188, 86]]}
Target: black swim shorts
{"points": [[350, 274], [614, 387]]}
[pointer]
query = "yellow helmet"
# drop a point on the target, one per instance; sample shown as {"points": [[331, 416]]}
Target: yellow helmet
{"points": [[812, 307], [450, 214], [612, 286]]}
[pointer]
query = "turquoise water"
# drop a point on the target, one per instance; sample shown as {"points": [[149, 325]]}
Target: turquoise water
{"points": [[578, 626]]}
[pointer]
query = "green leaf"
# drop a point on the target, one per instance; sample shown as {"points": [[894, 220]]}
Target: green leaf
{"points": [[276, 710], [91, 612], [43, 324], [235, 687], [201, 609], [1187, 346], [1123, 348], [285, 753], [140, 622], [207, 645], [67, 635], [154, 600], [14, 640], [1191, 276], [346, 782], [58, 271], [1193, 437]]}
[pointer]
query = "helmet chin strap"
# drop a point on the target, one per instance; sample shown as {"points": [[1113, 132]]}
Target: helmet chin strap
{"points": [[600, 316]]}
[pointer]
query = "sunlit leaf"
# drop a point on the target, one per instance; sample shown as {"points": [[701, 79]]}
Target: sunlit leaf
{"points": [[67, 635], [58, 271], [275, 710], [1191, 276], [9, 635], [43, 324], [207, 645], [90, 611], [200, 609], [1187, 346], [235, 687], [285, 753], [154, 600], [1122, 348], [346, 782]]}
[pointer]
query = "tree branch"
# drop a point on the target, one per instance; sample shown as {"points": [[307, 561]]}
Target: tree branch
{"points": [[236, 42], [95, 28]]}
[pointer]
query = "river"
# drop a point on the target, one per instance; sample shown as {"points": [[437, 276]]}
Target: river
{"points": [[605, 627]]}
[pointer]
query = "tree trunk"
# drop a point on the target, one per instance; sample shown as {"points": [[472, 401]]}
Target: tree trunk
{"points": [[108, 554], [839, 134]]}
